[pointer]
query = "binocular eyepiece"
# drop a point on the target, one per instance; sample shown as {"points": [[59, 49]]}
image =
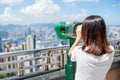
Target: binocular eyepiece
{"points": [[66, 30]]}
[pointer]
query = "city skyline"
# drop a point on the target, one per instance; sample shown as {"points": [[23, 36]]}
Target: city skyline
{"points": [[53, 11]]}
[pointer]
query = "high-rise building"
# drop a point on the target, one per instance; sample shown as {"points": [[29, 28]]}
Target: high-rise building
{"points": [[6, 46], [30, 40], [23, 46], [0, 45], [3, 34], [29, 32]]}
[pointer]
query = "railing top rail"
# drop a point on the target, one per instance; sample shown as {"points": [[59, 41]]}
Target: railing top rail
{"points": [[22, 52]]}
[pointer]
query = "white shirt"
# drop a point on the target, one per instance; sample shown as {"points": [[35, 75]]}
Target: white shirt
{"points": [[89, 66]]}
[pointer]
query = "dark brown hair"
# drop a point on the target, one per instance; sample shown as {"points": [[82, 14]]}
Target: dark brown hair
{"points": [[94, 36]]}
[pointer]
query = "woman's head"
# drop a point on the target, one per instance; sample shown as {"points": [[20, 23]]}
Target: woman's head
{"points": [[94, 35]]}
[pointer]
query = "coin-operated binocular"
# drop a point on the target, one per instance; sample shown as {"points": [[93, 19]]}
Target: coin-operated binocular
{"points": [[68, 31]]}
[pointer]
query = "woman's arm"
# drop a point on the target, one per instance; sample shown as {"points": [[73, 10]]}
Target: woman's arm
{"points": [[77, 41]]}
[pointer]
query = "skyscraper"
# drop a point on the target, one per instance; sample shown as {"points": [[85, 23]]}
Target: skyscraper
{"points": [[0, 45], [29, 32], [3, 34], [30, 40]]}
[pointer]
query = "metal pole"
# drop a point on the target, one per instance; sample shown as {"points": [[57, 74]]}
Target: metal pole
{"points": [[70, 67]]}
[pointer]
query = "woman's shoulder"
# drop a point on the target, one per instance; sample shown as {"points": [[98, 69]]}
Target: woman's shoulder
{"points": [[78, 49]]}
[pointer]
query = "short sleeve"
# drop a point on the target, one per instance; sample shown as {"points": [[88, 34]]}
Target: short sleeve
{"points": [[74, 53]]}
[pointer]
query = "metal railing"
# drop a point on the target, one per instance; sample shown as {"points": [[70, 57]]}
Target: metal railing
{"points": [[29, 63]]}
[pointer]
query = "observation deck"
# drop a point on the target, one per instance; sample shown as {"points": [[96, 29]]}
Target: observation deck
{"points": [[45, 64]]}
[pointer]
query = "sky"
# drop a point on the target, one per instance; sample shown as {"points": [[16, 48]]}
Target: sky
{"points": [[54, 11]]}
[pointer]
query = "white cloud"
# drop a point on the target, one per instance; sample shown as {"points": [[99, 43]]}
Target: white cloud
{"points": [[57, 17], [117, 4], [7, 17], [41, 7], [80, 1], [64, 17], [47, 11], [76, 17], [10, 1]]}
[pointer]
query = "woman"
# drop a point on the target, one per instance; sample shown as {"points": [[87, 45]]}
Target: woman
{"points": [[95, 56]]}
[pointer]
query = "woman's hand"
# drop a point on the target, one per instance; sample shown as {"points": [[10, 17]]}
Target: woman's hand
{"points": [[77, 41], [78, 33]]}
